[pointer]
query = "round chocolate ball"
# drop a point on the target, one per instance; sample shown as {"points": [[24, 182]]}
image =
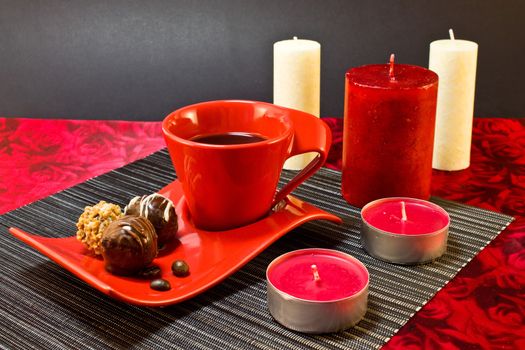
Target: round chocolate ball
{"points": [[128, 245], [133, 207], [157, 209]]}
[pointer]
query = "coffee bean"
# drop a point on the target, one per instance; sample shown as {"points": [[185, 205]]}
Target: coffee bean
{"points": [[180, 268], [160, 285], [150, 272]]}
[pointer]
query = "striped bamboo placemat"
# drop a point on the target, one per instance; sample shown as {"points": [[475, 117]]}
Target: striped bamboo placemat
{"points": [[43, 306]]}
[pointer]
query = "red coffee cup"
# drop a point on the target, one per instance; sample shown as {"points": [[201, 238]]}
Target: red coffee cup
{"points": [[231, 185]]}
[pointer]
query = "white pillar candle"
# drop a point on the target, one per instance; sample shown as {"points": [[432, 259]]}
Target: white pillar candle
{"points": [[455, 63], [296, 83]]}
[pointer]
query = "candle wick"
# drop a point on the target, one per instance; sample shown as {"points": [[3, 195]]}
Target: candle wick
{"points": [[294, 38], [391, 71], [403, 211], [451, 33], [315, 272]]}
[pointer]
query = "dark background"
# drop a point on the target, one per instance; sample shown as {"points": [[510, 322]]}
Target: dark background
{"points": [[116, 59]]}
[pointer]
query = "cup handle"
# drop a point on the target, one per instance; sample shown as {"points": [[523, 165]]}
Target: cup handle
{"points": [[311, 135]]}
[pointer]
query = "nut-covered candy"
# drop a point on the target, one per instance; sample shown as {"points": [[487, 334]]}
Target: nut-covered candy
{"points": [[129, 245], [157, 209], [93, 221]]}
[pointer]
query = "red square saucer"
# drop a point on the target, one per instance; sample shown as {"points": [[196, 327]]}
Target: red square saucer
{"points": [[212, 256]]}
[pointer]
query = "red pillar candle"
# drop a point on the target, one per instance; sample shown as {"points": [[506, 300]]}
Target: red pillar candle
{"points": [[389, 124]]}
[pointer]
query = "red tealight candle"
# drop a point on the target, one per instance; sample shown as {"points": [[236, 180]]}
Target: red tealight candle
{"points": [[389, 122], [404, 230], [300, 276], [317, 290]]}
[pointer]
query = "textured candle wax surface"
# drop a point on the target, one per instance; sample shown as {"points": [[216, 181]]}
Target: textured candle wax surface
{"points": [[455, 63], [421, 218], [339, 278], [388, 133]]}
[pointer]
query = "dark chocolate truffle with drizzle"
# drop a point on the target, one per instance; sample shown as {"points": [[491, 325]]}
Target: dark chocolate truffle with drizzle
{"points": [[157, 209], [128, 245]]}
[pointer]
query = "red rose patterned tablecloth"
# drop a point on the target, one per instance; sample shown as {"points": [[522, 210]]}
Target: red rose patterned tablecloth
{"points": [[482, 308]]}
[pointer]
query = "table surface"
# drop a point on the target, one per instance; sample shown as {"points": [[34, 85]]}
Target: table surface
{"points": [[482, 307]]}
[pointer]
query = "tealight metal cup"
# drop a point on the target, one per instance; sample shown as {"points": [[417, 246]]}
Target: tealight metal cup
{"points": [[404, 249], [312, 316]]}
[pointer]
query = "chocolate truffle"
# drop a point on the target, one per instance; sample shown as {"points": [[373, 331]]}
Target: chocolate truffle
{"points": [[128, 245], [93, 221], [157, 209]]}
